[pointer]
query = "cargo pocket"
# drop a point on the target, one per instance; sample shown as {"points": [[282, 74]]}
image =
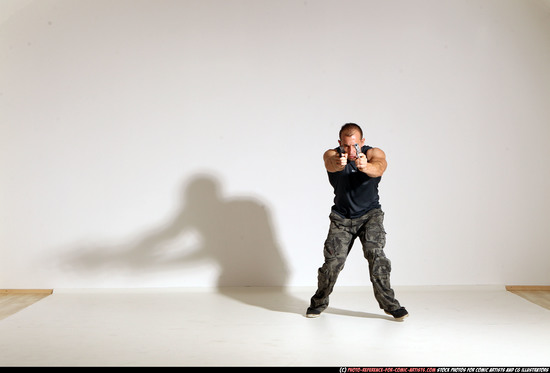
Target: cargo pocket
{"points": [[374, 234], [381, 268]]}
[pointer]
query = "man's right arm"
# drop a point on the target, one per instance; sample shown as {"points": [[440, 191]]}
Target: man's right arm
{"points": [[334, 162]]}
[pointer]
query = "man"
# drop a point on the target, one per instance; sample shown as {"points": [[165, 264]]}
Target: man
{"points": [[356, 213]]}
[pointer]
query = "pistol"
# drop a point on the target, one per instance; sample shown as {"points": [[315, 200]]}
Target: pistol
{"points": [[357, 150], [341, 151]]}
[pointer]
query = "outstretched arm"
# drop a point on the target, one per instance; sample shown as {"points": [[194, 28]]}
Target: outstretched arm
{"points": [[373, 163]]}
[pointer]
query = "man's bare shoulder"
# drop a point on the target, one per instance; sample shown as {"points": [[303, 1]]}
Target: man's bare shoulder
{"points": [[375, 153]]}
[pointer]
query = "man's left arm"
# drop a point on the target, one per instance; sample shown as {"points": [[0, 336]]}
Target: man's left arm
{"points": [[373, 163]]}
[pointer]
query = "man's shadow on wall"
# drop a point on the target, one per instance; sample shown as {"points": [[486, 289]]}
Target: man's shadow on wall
{"points": [[236, 234]]}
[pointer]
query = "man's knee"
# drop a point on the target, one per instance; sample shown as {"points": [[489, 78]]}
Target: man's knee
{"points": [[332, 266], [381, 268]]}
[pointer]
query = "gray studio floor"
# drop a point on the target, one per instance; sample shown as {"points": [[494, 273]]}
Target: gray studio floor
{"points": [[448, 326]]}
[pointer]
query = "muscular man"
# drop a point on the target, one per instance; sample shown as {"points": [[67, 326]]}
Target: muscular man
{"points": [[356, 213]]}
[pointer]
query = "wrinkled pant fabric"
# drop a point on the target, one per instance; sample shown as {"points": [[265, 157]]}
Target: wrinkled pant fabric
{"points": [[369, 228]]}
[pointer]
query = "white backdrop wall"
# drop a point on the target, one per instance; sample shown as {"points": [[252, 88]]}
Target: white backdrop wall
{"points": [[179, 142]]}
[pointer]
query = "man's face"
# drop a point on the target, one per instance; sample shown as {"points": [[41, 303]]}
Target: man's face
{"points": [[348, 142]]}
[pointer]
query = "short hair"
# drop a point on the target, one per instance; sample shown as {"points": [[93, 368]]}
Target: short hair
{"points": [[349, 128]]}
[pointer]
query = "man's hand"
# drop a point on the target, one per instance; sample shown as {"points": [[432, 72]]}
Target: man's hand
{"points": [[334, 161], [341, 161], [361, 162]]}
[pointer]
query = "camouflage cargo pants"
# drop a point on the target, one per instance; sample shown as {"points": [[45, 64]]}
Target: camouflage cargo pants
{"points": [[341, 236]]}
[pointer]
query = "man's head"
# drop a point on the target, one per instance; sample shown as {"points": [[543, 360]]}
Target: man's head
{"points": [[351, 134]]}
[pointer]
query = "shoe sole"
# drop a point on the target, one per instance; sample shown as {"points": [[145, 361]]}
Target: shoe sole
{"points": [[313, 315], [398, 318]]}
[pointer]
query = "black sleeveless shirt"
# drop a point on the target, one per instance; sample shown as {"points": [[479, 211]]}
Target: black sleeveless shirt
{"points": [[355, 193]]}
